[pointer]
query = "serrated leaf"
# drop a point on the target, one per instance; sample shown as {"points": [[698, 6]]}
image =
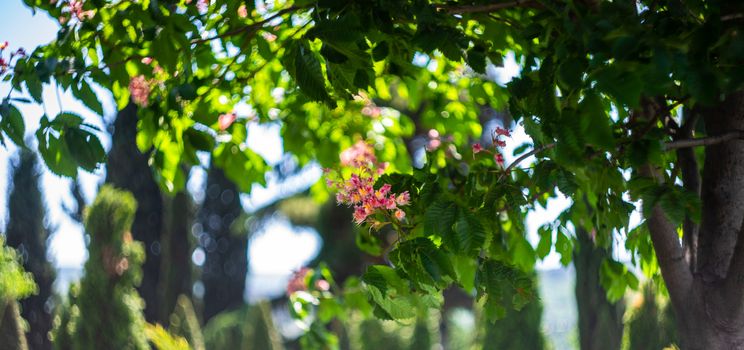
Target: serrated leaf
{"points": [[308, 74], [86, 148], [470, 235], [439, 218]]}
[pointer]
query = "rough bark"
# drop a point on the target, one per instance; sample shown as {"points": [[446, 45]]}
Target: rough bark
{"points": [[600, 321], [27, 233], [708, 298], [127, 168], [226, 264]]}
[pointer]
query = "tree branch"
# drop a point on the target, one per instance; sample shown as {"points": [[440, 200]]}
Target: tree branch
{"points": [[249, 27], [669, 252], [704, 141], [461, 9], [527, 155]]}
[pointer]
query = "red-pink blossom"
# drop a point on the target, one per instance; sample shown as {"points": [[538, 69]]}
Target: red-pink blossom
{"points": [[139, 89], [297, 282], [499, 159], [358, 190], [499, 131], [225, 120], [477, 148]]}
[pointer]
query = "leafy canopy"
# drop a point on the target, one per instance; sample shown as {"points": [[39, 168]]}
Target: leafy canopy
{"points": [[601, 93]]}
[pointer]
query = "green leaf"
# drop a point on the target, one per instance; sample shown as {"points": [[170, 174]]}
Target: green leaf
{"points": [[477, 59], [87, 149], [564, 247], [89, 98], [598, 130], [34, 87], [12, 123], [56, 154], [546, 241], [470, 234], [439, 218], [306, 71]]}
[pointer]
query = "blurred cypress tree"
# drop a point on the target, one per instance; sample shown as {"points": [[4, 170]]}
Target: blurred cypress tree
{"points": [[600, 321], [249, 327], [175, 272], [28, 234], [109, 309], [226, 265], [127, 168]]}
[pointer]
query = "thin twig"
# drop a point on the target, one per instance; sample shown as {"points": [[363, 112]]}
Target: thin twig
{"points": [[527, 155], [704, 141], [485, 7], [247, 28]]}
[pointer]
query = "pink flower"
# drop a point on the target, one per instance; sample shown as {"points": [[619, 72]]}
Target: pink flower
{"points": [[500, 143], [477, 148], [146, 60], [322, 285], [501, 132], [360, 214], [242, 11], [403, 198], [358, 155], [225, 120], [433, 144], [399, 214], [139, 89], [297, 282], [3, 45], [499, 159]]}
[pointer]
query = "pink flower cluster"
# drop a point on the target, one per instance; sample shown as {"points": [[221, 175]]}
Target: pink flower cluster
{"points": [[139, 89], [359, 191], [298, 282], [74, 8], [497, 143]]}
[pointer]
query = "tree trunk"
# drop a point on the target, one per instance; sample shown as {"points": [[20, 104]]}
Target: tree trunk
{"points": [[127, 168], [707, 289], [226, 264], [176, 263], [600, 321]]}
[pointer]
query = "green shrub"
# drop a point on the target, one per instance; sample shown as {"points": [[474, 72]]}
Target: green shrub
{"points": [[107, 314]]}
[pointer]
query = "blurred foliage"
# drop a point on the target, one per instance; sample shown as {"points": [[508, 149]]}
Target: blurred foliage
{"points": [[650, 322], [15, 282], [161, 339], [185, 324], [249, 327], [519, 329]]}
